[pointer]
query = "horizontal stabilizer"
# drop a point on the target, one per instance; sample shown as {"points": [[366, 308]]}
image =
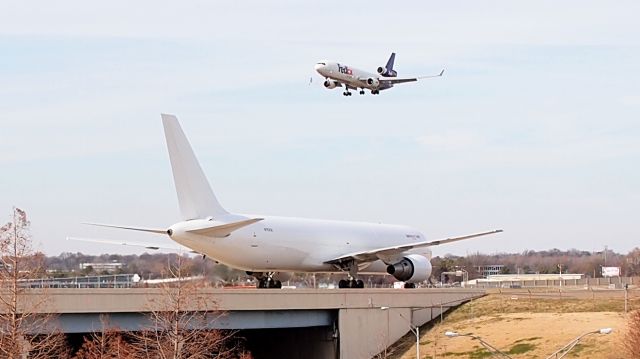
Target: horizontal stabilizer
{"points": [[223, 230], [141, 229], [153, 246]]}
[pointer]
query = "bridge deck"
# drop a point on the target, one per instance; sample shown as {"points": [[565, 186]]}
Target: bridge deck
{"points": [[127, 300]]}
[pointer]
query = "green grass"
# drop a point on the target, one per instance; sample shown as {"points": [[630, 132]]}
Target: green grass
{"points": [[521, 348], [479, 353], [527, 339]]}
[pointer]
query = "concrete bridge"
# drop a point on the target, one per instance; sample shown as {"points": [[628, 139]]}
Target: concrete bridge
{"points": [[311, 323]]}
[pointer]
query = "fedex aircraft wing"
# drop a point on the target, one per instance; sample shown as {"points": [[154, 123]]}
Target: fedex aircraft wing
{"points": [[269, 247], [340, 75]]}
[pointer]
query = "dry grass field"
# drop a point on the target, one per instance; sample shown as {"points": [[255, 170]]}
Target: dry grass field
{"points": [[527, 324]]}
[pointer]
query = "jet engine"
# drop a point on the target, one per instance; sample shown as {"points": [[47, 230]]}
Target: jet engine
{"points": [[330, 84], [386, 72], [413, 268], [373, 82]]}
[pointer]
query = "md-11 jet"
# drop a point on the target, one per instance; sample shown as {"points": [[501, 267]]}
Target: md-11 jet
{"points": [[340, 75]]}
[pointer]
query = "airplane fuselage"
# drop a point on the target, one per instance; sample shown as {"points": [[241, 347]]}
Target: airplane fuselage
{"points": [[296, 244]]}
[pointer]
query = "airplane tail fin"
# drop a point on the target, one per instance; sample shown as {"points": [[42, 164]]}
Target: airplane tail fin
{"points": [[387, 70], [195, 197], [389, 65]]}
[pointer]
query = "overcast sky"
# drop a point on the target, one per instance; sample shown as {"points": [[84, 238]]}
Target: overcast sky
{"points": [[534, 127]]}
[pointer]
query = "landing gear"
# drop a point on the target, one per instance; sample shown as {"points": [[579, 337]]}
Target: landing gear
{"points": [[362, 92], [351, 267], [375, 92], [409, 285], [265, 280], [343, 283], [347, 93]]}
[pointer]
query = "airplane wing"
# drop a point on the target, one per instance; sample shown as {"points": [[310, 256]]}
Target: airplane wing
{"points": [[386, 252], [399, 80], [153, 246]]}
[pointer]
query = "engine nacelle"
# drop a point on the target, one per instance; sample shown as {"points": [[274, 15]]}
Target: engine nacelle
{"points": [[386, 72], [330, 84], [413, 268], [373, 82]]}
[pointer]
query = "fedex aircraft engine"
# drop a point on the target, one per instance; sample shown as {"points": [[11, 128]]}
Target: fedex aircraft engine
{"points": [[373, 82], [386, 72], [413, 268], [330, 84]]}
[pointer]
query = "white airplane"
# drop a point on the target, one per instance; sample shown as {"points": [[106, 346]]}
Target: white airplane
{"points": [[271, 248], [339, 75]]}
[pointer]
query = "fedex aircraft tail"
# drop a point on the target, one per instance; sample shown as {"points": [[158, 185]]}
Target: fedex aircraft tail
{"points": [[387, 70], [195, 197], [392, 58]]}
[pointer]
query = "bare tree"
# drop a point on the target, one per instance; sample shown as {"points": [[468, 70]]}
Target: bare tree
{"points": [[181, 319], [106, 343], [25, 326]]}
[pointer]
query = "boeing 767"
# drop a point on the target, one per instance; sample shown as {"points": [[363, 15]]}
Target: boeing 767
{"points": [[270, 247]]}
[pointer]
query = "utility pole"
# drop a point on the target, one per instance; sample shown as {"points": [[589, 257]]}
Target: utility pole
{"points": [[560, 267], [626, 297]]}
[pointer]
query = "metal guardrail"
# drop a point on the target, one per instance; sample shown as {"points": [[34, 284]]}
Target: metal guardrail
{"points": [[97, 281]]}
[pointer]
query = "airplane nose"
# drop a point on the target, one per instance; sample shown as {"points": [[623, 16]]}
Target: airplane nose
{"points": [[318, 67]]}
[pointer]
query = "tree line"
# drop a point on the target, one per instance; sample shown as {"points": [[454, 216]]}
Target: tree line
{"points": [[543, 262]]}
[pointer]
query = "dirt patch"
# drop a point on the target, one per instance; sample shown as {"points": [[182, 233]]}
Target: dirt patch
{"points": [[531, 328]]}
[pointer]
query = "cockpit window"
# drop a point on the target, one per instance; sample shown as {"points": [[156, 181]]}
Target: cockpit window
{"points": [[321, 63]]}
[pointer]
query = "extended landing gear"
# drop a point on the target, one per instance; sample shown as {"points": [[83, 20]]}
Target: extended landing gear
{"points": [[351, 267], [362, 92], [347, 93], [267, 282], [375, 92], [343, 283]]}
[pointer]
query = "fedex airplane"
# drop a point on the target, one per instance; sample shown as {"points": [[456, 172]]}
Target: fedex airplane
{"points": [[339, 75], [271, 248]]}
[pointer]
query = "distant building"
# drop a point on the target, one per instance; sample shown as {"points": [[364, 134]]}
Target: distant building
{"points": [[101, 267], [610, 272], [488, 270]]}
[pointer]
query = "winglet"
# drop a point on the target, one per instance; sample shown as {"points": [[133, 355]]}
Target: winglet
{"points": [[195, 197], [441, 72]]}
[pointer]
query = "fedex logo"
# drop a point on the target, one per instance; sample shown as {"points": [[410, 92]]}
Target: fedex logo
{"points": [[344, 70]]}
